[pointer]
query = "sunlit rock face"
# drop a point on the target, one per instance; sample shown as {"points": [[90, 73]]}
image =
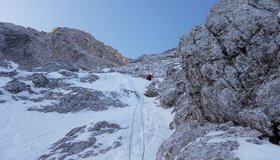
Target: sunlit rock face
{"points": [[231, 71], [63, 48]]}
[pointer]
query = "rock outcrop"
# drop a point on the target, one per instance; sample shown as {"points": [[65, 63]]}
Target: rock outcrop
{"points": [[63, 48], [15, 86], [72, 145], [151, 91], [79, 99], [157, 64], [231, 68]]}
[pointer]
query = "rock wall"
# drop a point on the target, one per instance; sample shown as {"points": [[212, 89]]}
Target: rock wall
{"points": [[231, 67], [63, 48]]}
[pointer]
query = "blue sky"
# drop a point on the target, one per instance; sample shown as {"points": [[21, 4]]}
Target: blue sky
{"points": [[134, 27]]}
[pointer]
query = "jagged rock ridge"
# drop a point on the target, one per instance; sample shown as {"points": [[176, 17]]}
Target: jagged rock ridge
{"points": [[63, 48]]}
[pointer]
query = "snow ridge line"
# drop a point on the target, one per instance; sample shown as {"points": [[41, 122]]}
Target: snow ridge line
{"points": [[142, 123]]}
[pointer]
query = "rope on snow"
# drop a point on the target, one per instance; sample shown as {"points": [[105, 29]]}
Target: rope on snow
{"points": [[142, 122]]}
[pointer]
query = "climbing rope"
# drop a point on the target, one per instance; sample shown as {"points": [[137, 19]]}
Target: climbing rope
{"points": [[143, 127], [142, 122]]}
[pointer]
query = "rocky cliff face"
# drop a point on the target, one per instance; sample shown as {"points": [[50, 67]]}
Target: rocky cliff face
{"points": [[231, 69], [63, 48]]}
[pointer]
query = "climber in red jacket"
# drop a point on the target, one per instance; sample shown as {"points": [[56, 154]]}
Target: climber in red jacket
{"points": [[149, 76]]}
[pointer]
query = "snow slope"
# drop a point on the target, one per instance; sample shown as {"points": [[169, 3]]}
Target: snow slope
{"points": [[28, 135]]}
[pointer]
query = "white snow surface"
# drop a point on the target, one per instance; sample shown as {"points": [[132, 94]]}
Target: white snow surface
{"points": [[248, 150], [26, 135]]}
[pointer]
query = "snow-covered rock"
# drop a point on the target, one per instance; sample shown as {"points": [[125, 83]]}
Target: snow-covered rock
{"points": [[39, 80], [79, 99], [15, 86], [151, 91], [81, 142]]}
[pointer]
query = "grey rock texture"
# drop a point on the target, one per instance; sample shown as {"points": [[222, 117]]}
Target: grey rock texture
{"points": [[209, 141], [63, 48], [152, 91], [15, 86], [39, 80], [71, 145], [172, 87], [219, 145], [79, 99], [8, 74], [68, 74], [227, 69], [8, 69], [231, 74], [90, 79], [156, 64]]}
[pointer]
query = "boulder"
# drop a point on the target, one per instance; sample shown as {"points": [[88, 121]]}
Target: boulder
{"points": [[15, 86], [152, 91], [39, 80]]}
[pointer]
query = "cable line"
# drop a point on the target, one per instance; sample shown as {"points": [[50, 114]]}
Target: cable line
{"points": [[168, 16], [179, 24]]}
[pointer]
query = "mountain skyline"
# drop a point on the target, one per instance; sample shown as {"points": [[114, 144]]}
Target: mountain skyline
{"points": [[132, 27]]}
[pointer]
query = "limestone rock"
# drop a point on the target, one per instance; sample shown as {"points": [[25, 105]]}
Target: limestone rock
{"points": [[71, 145], [63, 48], [209, 141], [39, 80], [156, 64], [172, 87], [8, 74], [91, 78], [79, 99], [152, 91], [228, 60], [15, 86], [231, 76]]}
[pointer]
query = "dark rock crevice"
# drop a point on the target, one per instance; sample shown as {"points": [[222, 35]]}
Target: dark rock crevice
{"points": [[220, 42], [276, 131], [255, 4]]}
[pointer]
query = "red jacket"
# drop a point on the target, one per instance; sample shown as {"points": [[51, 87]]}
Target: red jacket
{"points": [[149, 76]]}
